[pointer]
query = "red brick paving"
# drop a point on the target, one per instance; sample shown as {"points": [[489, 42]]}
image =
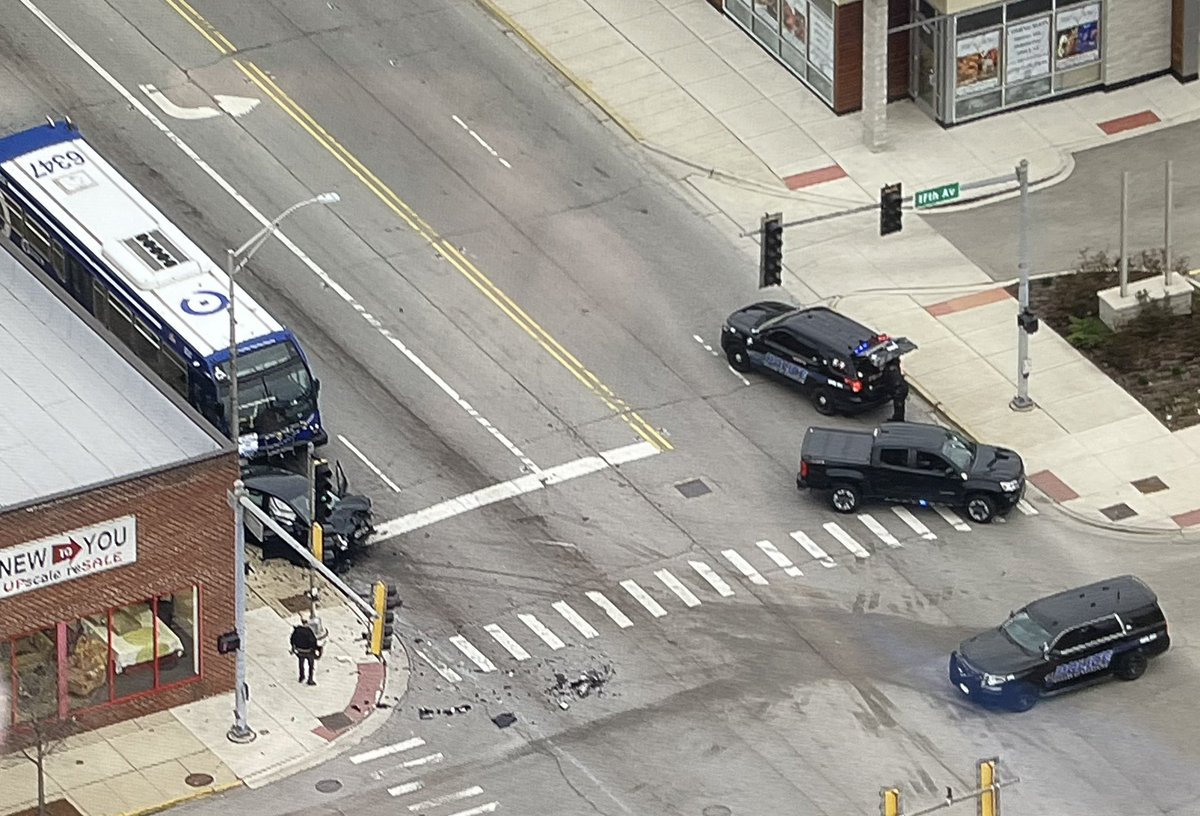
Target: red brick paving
{"points": [[370, 681], [1187, 519], [959, 304], [1133, 120], [811, 177], [1052, 486]]}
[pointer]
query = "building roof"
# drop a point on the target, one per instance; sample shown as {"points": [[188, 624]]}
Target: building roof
{"points": [[73, 411]]}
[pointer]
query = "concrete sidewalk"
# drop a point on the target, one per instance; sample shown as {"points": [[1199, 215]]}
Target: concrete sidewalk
{"points": [[749, 138], [153, 762]]}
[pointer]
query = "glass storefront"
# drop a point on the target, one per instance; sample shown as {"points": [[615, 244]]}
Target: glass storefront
{"points": [[799, 33]]}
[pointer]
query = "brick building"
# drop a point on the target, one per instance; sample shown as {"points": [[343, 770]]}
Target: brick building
{"points": [[116, 542]]}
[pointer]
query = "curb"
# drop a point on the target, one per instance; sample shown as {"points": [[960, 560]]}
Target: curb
{"points": [[180, 800]]}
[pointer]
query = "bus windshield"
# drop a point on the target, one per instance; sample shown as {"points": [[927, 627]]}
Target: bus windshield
{"points": [[274, 389]]}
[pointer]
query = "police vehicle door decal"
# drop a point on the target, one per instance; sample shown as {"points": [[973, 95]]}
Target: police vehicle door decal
{"points": [[785, 367], [1077, 668]]}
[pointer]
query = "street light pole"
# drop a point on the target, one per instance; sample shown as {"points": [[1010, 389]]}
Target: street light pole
{"points": [[1022, 401], [240, 732]]}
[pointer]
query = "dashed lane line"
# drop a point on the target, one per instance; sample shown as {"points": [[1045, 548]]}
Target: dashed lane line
{"points": [[812, 548], [781, 560], [641, 596], [575, 619], [675, 585], [914, 523], [505, 639], [881, 532], [474, 655], [618, 617], [846, 540], [541, 630], [715, 581]]}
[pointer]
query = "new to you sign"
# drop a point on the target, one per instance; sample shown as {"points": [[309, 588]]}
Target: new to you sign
{"points": [[67, 556]]}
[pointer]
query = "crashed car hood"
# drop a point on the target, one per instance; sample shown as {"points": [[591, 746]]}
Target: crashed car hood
{"points": [[996, 463], [751, 317], [994, 653]]}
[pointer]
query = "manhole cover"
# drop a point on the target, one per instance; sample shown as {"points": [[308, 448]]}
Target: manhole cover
{"points": [[329, 786], [716, 810], [198, 780], [1152, 484], [692, 489], [296, 604], [1118, 512], [336, 721]]}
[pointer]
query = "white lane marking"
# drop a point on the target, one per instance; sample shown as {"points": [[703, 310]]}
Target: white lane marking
{"points": [[541, 630], [779, 558], [490, 807], [412, 763], [738, 374], [705, 344], [407, 787], [952, 518], [171, 109], [505, 639], [502, 491], [575, 619], [812, 548], [482, 143], [383, 477], [337, 288], [474, 655], [467, 793], [448, 674], [610, 609], [387, 750], [641, 596], [236, 106], [1027, 508], [675, 585], [715, 581], [743, 566], [846, 540], [914, 523], [881, 532]]}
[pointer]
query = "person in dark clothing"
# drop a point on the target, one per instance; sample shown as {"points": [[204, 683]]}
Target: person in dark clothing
{"points": [[897, 387], [306, 649]]}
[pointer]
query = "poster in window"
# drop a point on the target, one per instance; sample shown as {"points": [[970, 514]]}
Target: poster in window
{"points": [[795, 23], [768, 10], [978, 63], [1027, 50], [1077, 36], [820, 42]]}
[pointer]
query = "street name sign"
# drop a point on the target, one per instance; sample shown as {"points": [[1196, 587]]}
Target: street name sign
{"points": [[936, 195]]}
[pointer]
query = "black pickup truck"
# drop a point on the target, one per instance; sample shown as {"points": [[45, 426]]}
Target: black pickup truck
{"points": [[912, 463]]}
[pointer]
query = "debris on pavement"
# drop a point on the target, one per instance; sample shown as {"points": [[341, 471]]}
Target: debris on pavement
{"points": [[568, 687], [504, 720]]}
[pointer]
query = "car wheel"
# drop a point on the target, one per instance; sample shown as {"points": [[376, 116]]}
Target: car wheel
{"points": [[844, 497], [1132, 666], [738, 359], [822, 400], [980, 508], [1024, 699]]}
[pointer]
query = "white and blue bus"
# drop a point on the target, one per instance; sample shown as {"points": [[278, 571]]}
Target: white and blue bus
{"points": [[112, 250]]}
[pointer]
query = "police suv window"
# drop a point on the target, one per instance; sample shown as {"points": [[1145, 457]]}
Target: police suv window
{"points": [[1088, 633], [896, 457], [928, 461], [791, 345]]}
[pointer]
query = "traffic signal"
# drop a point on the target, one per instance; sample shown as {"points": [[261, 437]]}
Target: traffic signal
{"points": [[889, 802], [322, 489], [989, 794], [770, 263], [890, 199], [381, 625], [1027, 320]]}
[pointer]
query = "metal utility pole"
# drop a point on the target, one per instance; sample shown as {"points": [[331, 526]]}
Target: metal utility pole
{"points": [[240, 732], [233, 418], [314, 622], [1022, 402], [1170, 202], [1123, 266]]}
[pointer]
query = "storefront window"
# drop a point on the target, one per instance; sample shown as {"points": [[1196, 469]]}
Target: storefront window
{"points": [[799, 33], [35, 676], [180, 659], [87, 662]]}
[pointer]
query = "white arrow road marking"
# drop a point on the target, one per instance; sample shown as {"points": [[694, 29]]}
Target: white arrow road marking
{"points": [[715, 581], [407, 787], [675, 585], [743, 566], [387, 750], [610, 609], [505, 639], [450, 797], [541, 630], [171, 109], [641, 596], [1027, 508], [779, 558], [881, 532], [448, 674], [846, 540], [575, 619], [477, 657], [914, 523], [812, 548], [952, 518], [236, 106]]}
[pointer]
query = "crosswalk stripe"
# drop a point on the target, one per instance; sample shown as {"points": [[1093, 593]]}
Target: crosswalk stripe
{"points": [[881, 532], [474, 655], [538, 628], [641, 596], [505, 639], [1027, 508], [715, 581], [428, 759], [779, 558], [466, 793], [847, 540], [575, 619], [744, 567], [610, 609], [448, 674], [407, 787], [387, 750], [675, 585], [490, 807], [952, 518], [812, 548], [914, 523]]}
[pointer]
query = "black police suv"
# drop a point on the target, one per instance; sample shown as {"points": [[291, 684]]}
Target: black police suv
{"points": [[839, 361], [1063, 642]]}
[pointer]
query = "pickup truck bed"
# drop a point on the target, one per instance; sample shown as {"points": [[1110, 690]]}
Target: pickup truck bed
{"points": [[832, 446]]}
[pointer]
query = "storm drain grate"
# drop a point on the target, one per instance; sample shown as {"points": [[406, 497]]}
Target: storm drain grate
{"points": [[1151, 484], [296, 604], [1118, 512], [198, 780], [693, 488], [336, 721]]}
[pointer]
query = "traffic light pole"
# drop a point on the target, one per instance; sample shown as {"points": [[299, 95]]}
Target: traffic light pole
{"points": [[1022, 402], [240, 731], [314, 622]]}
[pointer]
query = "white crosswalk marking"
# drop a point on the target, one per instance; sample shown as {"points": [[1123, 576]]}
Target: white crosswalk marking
{"points": [[490, 807], [715, 581], [641, 596], [428, 759], [779, 558], [474, 655], [847, 540], [466, 793], [504, 639], [914, 523], [675, 585], [448, 674], [952, 518], [1027, 508], [610, 609], [812, 548], [586, 629], [744, 567], [407, 787], [881, 532], [387, 750], [538, 628]]}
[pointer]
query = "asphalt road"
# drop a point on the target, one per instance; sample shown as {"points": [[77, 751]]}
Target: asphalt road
{"points": [[589, 278], [1084, 212]]}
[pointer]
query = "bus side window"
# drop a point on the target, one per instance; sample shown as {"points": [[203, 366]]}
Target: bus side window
{"points": [[78, 282], [58, 260], [144, 343], [100, 302], [172, 369], [15, 217], [38, 239], [120, 321]]}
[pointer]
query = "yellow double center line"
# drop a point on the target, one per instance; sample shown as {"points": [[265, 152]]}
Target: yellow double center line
{"points": [[443, 247]]}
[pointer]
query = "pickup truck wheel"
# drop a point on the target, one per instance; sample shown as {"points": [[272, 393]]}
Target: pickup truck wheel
{"points": [[980, 508], [738, 359], [822, 400], [844, 497], [1131, 666]]}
